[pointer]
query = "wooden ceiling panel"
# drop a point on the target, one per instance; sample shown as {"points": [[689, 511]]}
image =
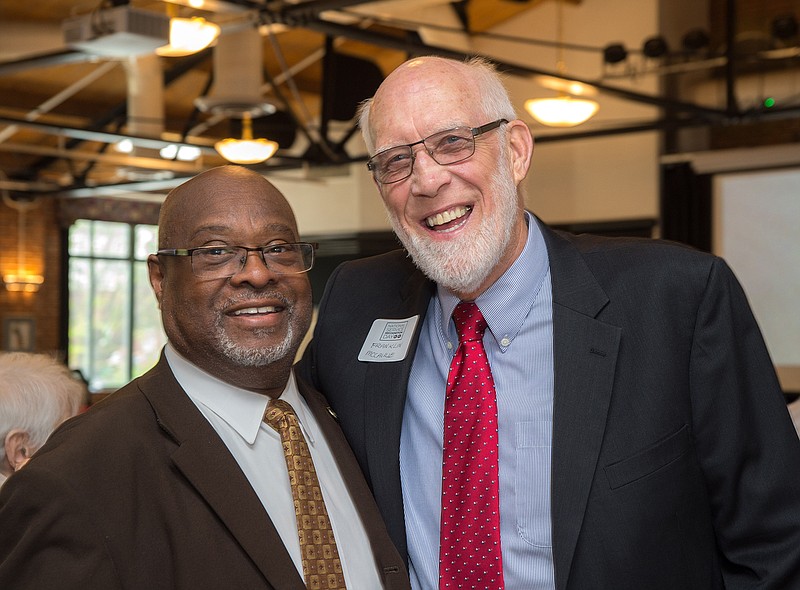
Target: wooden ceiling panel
{"points": [[293, 58]]}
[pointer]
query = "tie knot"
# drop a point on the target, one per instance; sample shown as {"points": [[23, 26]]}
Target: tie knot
{"points": [[279, 413], [469, 321]]}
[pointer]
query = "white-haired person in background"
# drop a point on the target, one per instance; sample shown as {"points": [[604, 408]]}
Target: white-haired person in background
{"points": [[37, 393]]}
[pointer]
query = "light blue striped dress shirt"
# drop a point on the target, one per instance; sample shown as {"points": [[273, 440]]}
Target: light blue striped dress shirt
{"points": [[519, 345]]}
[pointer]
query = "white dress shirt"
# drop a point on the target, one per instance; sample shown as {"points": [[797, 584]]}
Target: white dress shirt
{"points": [[236, 415]]}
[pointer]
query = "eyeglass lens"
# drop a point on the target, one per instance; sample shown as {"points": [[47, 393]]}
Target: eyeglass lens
{"points": [[227, 261], [445, 147]]}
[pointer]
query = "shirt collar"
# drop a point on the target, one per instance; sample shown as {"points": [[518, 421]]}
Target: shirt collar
{"points": [[241, 409], [507, 302]]}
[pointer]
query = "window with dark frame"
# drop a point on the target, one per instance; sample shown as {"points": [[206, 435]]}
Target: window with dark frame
{"points": [[114, 326]]}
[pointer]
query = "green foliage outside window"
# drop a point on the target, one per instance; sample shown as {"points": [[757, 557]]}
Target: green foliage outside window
{"points": [[115, 331]]}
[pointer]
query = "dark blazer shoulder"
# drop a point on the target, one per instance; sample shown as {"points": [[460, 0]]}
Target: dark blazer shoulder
{"points": [[384, 271], [389, 562], [589, 245], [631, 262], [123, 416]]}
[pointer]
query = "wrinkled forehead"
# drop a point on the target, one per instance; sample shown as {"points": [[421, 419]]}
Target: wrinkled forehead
{"points": [[235, 206], [417, 100]]}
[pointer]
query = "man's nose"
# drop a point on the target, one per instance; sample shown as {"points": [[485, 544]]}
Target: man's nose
{"points": [[427, 175], [255, 270]]}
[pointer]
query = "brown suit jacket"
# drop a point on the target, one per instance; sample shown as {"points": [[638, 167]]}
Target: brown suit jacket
{"points": [[140, 493]]}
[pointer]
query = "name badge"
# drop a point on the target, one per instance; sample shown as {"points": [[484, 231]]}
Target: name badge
{"points": [[388, 340]]}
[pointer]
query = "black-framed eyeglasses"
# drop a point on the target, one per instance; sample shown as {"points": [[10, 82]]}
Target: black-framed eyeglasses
{"points": [[445, 147], [221, 262]]}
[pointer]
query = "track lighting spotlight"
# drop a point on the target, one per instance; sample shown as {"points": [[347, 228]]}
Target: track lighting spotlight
{"points": [[655, 47], [695, 40], [615, 53], [784, 27]]}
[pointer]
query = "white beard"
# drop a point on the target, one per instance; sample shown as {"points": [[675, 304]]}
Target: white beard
{"points": [[463, 263]]}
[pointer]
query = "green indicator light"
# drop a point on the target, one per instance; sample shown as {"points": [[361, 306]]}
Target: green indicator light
{"points": [[769, 102]]}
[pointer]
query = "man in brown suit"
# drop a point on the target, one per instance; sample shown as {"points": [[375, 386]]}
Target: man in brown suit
{"points": [[174, 482]]}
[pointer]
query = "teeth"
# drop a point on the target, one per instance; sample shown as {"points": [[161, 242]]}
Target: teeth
{"points": [[446, 216], [255, 310]]}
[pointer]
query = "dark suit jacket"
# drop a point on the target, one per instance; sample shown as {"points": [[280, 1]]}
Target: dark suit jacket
{"points": [[140, 493], [674, 462]]}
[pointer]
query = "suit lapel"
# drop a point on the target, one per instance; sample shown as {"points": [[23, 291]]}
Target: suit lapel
{"points": [[585, 353], [384, 412], [386, 555], [209, 467]]}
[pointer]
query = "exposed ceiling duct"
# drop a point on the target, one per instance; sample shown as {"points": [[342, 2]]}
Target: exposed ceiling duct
{"points": [[119, 31], [145, 81], [309, 68], [238, 76]]}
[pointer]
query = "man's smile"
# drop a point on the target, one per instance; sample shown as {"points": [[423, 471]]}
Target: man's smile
{"points": [[444, 220]]}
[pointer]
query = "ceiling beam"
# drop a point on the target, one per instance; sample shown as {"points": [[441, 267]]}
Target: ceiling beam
{"points": [[45, 60], [412, 45], [84, 134]]}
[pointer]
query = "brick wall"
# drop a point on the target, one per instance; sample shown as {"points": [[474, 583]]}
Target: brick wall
{"points": [[41, 255]]}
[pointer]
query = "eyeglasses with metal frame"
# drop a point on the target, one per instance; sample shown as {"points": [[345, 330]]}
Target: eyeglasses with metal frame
{"points": [[445, 147], [221, 262]]}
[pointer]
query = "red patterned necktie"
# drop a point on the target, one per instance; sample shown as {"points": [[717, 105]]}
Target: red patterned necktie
{"points": [[469, 552]]}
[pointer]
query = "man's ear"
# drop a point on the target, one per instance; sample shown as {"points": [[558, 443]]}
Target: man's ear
{"points": [[520, 142], [18, 448], [156, 272]]}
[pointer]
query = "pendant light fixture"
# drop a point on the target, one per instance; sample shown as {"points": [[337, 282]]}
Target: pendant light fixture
{"points": [[246, 150], [187, 35], [23, 278], [238, 78], [569, 108]]}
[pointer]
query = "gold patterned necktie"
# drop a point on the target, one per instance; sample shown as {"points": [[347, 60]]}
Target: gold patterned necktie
{"points": [[322, 567]]}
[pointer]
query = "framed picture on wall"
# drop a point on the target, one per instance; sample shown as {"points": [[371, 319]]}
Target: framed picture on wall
{"points": [[19, 334]]}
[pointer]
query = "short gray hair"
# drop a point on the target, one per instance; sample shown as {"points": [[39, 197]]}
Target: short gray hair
{"points": [[36, 393]]}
